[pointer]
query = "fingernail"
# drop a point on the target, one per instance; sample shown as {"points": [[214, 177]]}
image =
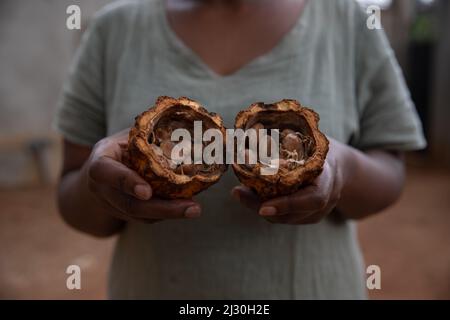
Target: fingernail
{"points": [[143, 192], [192, 212], [268, 211]]}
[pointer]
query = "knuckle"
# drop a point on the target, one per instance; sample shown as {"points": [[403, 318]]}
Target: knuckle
{"points": [[93, 169], [101, 143]]}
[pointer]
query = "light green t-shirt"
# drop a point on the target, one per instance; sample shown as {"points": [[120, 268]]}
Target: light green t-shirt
{"points": [[329, 61]]}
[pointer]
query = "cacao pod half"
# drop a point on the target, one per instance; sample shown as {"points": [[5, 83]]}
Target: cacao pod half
{"points": [[302, 147], [150, 147]]}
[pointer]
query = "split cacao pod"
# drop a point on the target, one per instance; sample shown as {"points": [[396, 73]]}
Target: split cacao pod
{"points": [[150, 146], [302, 147]]}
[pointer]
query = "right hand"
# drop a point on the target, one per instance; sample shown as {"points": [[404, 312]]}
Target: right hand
{"points": [[127, 194]]}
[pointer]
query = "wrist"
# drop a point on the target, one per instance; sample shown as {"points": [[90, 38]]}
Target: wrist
{"points": [[342, 157]]}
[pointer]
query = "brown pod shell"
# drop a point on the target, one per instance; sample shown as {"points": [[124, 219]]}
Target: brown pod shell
{"points": [[287, 116], [147, 158]]}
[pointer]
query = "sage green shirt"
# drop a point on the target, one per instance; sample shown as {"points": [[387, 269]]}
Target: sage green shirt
{"points": [[329, 61]]}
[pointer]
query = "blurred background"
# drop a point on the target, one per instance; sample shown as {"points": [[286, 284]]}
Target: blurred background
{"points": [[410, 241]]}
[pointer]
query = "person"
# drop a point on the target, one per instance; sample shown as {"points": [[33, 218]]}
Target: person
{"points": [[226, 55]]}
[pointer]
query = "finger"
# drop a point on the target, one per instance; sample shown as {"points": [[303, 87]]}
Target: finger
{"points": [[154, 208], [307, 200], [112, 146], [121, 137], [109, 207], [107, 171], [283, 205], [302, 219], [164, 209], [117, 213], [247, 197]]}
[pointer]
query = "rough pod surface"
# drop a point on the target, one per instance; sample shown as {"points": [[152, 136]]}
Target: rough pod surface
{"points": [[302, 147], [150, 147]]}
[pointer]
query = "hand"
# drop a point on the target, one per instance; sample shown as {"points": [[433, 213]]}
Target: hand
{"points": [[306, 206], [127, 194]]}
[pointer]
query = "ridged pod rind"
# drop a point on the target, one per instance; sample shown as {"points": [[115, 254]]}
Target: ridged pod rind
{"points": [[141, 157], [270, 186]]}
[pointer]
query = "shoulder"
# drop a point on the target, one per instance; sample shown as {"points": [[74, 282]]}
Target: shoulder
{"points": [[346, 13], [346, 22], [120, 9], [342, 6], [121, 14]]}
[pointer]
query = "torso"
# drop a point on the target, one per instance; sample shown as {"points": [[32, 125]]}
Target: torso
{"points": [[231, 253]]}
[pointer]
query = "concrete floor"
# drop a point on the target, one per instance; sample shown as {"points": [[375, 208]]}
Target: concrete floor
{"points": [[410, 242]]}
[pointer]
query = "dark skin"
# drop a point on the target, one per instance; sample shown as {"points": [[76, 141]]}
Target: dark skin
{"points": [[228, 34], [98, 194]]}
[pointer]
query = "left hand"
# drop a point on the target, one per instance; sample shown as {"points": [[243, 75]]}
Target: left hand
{"points": [[308, 205]]}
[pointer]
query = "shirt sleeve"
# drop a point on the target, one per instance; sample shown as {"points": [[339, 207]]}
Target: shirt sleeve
{"points": [[387, 116], [80, 115]]}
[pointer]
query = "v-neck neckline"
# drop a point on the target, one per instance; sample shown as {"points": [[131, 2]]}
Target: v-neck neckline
{"points": [[175, 42]]}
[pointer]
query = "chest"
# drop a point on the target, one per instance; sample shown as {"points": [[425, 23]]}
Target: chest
{"points": [[316, 74], [226, 39], [291, 78]]}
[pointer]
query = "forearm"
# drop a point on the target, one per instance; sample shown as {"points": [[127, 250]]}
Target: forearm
{"points": [[82, 210], [373, 181]]}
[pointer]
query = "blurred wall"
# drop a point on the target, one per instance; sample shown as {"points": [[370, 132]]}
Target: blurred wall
{"points": [[35, 52], [36, 48]]}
